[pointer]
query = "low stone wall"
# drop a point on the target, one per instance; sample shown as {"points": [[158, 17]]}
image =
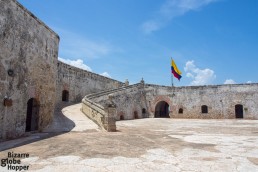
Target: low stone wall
{"points": [[130, 101], [103, 117]]}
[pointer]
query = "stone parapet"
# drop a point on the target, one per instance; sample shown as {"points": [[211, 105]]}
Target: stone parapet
{"points": [[103, 117]]}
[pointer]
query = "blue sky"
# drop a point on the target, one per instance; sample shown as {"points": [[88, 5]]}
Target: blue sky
{"points": [[211, 41]]}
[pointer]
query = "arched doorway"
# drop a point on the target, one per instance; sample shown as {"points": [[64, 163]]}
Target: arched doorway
{"points": [[181, 111], [32, 118], [204, 109], [239, 111], [65, 96], [122, 117], [162, 110], [144, 113], [135, 113]]}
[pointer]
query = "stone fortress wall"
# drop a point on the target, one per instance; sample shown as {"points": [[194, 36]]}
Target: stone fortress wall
{"points": [[76, 83], [33, 82], [129, 101], [221, 100], [28, 65], [145, 100]]}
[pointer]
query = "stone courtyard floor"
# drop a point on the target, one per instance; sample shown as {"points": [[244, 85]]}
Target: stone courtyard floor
{"points": [[142, 145]]}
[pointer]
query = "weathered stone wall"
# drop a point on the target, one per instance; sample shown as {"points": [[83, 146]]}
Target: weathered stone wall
{"points": [[80, 82], [30, 49], [130, 101], [104, 117], [221, 101], [29, 69]]}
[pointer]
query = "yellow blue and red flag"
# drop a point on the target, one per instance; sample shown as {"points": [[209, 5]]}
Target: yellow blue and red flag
{"points": [[175, 71]]}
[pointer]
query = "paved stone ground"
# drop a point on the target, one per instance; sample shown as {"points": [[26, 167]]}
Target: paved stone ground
{"points": [[147, 145], [70, 118]]}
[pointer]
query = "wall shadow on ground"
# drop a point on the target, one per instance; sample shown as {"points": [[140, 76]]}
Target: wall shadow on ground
{"points": [[60, 125]]}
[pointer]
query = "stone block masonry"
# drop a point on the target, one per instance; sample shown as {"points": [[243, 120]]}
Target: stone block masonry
{"points": [[33, 82], [197, 102], [103, 116], [28, 65], [76, 83], [130, 101], [206, 102]]}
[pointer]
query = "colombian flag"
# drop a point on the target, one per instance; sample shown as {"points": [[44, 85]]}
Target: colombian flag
{"points": [[176, 72]]}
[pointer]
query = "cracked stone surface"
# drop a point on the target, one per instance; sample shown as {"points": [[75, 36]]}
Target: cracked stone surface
{"points": [[146, 145]]}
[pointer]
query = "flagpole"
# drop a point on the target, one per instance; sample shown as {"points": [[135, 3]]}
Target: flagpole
{"points": [[172, 80]]}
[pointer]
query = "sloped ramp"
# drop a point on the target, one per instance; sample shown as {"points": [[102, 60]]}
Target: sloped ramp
{"points": [[70, 118]]}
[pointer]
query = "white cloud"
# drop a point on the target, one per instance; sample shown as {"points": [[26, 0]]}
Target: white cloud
{"points": [[77, 63], [249, 82], [150, 26], [171, 9], [199, 76], [229, 81], [106, 74], [189, 75]]}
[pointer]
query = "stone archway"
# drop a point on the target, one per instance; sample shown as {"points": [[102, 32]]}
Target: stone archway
{"points": [[135, 114], [121, 117], [143, 112], [65, 96], [181, 111], [162, 110], [239, 112], [204, 109], [32, 118]]}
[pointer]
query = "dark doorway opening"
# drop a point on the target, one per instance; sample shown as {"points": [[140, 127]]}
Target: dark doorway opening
{"points": [[162, 110], [180, 111], [204, 109], [32, 118], [144, 113], [239, 111], [65, 96], [136, 115], [122, 117]]}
